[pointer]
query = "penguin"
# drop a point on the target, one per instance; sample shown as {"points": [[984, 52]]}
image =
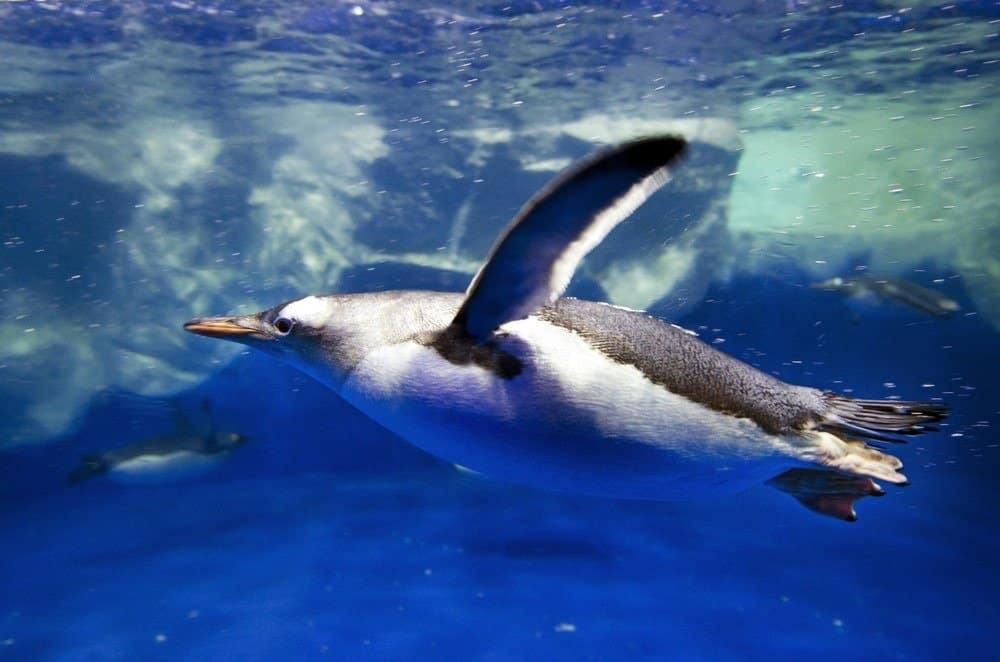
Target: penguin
{"points": [[514, 381], [184, 453], [873, 290]]}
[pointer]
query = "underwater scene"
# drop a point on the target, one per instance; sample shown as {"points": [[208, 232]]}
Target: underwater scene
{"points": [[778, 441]]}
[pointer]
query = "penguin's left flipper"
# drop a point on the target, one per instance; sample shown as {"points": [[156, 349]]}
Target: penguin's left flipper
{"points": [[199, 425], [827, 492], [535, 257], [90, 466]]}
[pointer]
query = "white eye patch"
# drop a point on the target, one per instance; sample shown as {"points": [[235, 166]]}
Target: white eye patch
{"points": [[310, 311]]}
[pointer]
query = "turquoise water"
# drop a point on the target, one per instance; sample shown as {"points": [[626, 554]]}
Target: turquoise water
{"points": [[161, 161]]}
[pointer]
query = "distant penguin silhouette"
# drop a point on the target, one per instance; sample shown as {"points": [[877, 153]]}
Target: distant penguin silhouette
{"points": [[876, 289], [188, 451], [515, 382]]}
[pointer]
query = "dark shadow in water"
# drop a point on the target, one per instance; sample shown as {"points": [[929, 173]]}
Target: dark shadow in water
{"points": [[540, 547]]}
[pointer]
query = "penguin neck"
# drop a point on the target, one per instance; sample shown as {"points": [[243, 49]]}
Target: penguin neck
{"points": [[363, 323]]}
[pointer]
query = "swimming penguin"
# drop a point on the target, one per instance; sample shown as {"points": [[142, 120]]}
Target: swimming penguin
{"points": [[512, 381], [872, 289], [182, 454]]}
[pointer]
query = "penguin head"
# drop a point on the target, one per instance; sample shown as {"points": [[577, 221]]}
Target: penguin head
{"points": [[829, 284], [327, 336], [313, 333], [230, 440]]}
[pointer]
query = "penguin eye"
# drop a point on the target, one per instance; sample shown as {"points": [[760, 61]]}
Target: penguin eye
{"points": [[283, 325]]}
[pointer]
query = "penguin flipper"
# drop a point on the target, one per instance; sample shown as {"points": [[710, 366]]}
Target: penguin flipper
{"points": [[826, 492], [207, 430], [90, 466], [182, 424], [535, 257], [197, 426]]}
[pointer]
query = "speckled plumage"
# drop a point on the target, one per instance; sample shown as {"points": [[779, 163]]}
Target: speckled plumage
{"points": [[675, 359]]}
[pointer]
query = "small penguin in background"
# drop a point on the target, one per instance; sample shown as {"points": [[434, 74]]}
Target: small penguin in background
{"points": [[512, 380], [188, 451], [875, 289]]}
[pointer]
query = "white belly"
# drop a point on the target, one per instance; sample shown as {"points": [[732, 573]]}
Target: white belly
{"points": [[572, 420], [167, 468]]}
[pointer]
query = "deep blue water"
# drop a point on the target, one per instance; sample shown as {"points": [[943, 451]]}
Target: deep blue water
{"points": [[327, 536]]}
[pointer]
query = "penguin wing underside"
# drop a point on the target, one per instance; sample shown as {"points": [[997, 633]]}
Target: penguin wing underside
{"points": [[535, 257]]}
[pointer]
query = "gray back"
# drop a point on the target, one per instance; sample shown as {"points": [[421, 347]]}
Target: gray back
{"points": [[683, 364]]}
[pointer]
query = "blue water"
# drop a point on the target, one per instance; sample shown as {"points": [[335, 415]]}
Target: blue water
{"points": [[162, 160]]}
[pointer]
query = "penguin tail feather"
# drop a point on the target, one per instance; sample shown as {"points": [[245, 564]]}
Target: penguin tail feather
{"points": [[840, 444], [881, 420]]}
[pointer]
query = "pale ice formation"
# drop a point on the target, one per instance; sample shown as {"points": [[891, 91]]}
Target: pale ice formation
{"points": [[901, 191]]}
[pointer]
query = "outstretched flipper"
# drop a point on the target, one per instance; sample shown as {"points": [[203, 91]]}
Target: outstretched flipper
{"points": [[826, 492], [198, 427], [532, 263], [90, 466]]}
